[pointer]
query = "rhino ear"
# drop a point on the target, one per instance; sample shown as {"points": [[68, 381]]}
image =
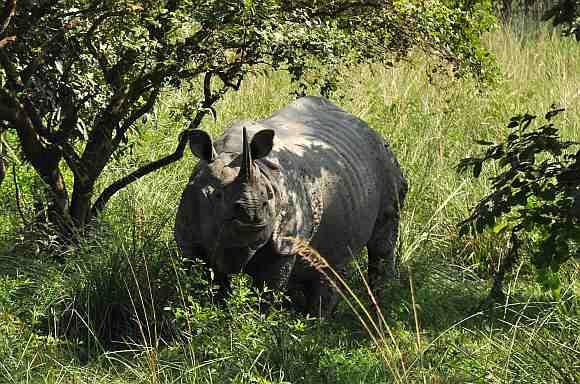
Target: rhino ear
{"points": [[201, 145], [262, 143]]}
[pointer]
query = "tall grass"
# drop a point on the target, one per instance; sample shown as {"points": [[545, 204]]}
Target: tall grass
{"points": [[124, 308]]}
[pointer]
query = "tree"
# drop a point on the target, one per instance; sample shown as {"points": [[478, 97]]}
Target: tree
{"points": [[78, 75]]}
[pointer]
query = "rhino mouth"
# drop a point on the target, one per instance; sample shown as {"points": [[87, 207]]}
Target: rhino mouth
{"points": [[249, 227]]}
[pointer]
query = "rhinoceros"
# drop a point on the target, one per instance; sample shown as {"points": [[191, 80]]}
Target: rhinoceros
{"points": [[310, 173]]}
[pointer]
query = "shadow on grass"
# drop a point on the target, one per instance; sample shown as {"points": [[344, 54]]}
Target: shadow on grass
{"points": [[445, 296]]}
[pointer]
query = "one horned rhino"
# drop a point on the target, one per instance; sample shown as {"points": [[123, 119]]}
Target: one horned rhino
{"points": [[312, 173]]}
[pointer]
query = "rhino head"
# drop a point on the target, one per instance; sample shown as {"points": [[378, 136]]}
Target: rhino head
{"points": [[228, 209]]}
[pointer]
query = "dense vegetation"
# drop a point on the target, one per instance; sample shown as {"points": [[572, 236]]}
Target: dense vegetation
{"points": [[536, 197], [120, 306], [78, 76]]}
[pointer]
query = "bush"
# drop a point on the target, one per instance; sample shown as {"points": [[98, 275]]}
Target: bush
{"points": [[535, 198]]}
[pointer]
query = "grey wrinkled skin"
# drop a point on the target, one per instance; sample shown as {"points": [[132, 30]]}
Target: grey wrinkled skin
{"points": [[316, 173]]}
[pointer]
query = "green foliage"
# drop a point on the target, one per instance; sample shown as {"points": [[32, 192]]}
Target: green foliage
{"points": [[532, 343], [104, 294], [245, 343], [536, 195], [118, 296], [21, 350], [80, 77]]}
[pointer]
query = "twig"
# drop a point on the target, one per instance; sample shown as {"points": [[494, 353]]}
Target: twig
{"points": [[17, 196], [122, 130], [103, 199]]}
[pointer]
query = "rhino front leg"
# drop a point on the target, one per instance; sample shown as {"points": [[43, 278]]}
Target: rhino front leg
{"points": [[321, 294], [271, 269], [224, 287], [381, 247], [276, 279], [276, 274]]}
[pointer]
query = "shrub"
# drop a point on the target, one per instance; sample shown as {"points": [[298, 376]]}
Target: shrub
{"points": [[535, 198]]}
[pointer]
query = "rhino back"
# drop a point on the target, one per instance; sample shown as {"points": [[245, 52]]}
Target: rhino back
{"points": [[330, 158]]}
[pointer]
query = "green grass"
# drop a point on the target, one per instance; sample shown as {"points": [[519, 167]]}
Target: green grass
{"points": [[128, 282]]}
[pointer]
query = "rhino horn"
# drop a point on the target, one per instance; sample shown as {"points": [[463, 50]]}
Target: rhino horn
{"points": [[246, 170]]}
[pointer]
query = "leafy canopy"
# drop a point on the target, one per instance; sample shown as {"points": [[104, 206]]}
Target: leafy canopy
{"points": [[78, 76]]}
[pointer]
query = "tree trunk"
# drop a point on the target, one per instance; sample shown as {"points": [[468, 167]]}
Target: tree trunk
{"points": [[96, 155], [44, 159], [81, 204], [2, 164], [100, 147], [506, 11]]}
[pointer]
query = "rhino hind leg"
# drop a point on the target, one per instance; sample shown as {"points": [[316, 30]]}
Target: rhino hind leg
{"points": [[382, 262]]}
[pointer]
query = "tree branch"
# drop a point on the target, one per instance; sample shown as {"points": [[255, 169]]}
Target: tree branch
{"points": [[17, 195], [6, 41], [15, 84], [72, 159], [13, 79], [99, 56], [6, 113], [71, 115], [44, 159], [7, 14], [101, 145], [103, 199], [209, 100], [2, 163], [136, 115], [121, 67]]}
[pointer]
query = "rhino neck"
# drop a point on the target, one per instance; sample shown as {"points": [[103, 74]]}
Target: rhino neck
{"points": [[270, 174], [301, 208]]}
